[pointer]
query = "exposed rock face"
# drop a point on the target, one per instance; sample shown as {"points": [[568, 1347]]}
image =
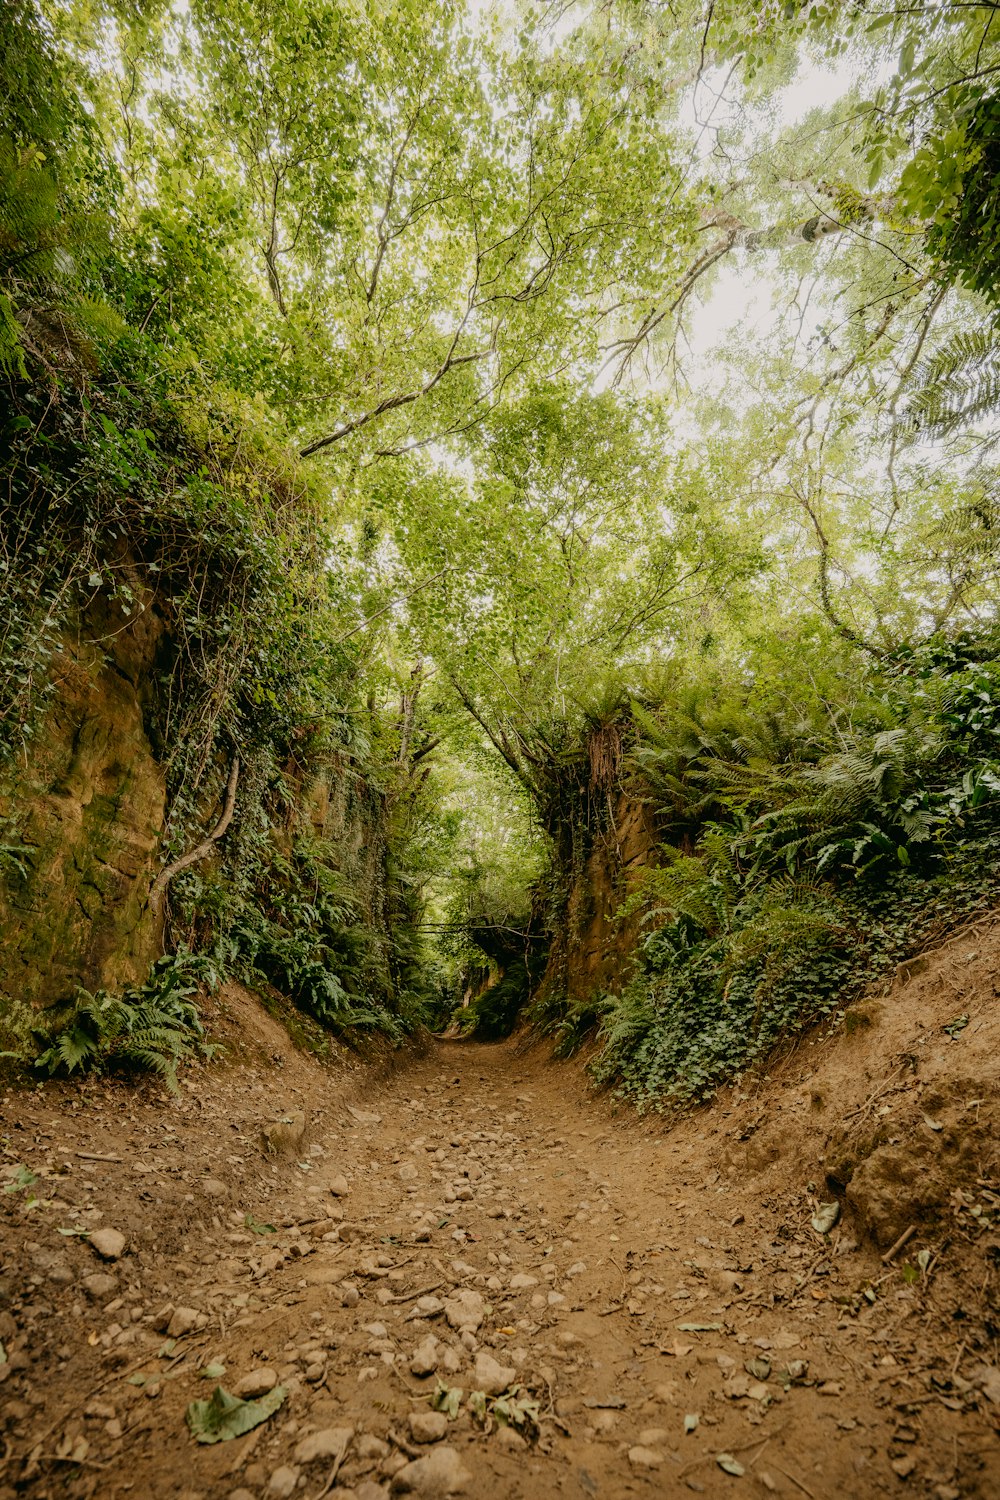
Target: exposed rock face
{"points": [[587, 955], [89, 808]]}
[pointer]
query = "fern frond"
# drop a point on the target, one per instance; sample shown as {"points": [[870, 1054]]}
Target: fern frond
{"points": [[957, 386], [11, 348]]}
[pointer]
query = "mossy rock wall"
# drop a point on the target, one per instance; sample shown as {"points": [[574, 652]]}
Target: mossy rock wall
{"points": [[87, 810], [589, 953]]}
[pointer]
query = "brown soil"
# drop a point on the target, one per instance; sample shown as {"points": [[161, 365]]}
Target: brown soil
{"points": [[674, 1272]]}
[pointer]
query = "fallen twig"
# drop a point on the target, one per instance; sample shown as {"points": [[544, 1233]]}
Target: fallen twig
{"points": [[423, 1291], [331, 1478], [880, 1093], [398, 1441], [893, 1250], [67, 1458], [803, 1487], [711, 1458]]}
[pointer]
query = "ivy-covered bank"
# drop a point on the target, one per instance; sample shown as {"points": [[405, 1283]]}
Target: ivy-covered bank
{"points": [[762, 855], [174, 686]]}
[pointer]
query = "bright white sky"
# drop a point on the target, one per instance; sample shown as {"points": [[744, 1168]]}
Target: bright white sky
{"points": [[741, 293]]}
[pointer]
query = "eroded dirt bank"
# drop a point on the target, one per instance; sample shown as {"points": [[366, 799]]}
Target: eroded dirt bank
{"points": [[646, 1302]]}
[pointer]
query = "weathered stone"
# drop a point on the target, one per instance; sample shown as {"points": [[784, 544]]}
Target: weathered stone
{"points": [[100, 1285], [282, 1482], [284, 1136], [510, 1438], [644, 1458], [440, 1473], [491, 1376], [330, 1445], [465, 1311], [183, 1320], [256, 1383], [428, 1426], [425, 1357], [370, 1447], [108, 1243]]}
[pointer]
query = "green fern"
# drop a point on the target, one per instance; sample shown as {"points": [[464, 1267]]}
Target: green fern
{"points": [[11, 350], [150, 1029], [957, 386]]}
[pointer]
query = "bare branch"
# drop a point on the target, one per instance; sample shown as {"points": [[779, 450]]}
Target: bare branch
{"points": [[168, 872], [392, 403]]}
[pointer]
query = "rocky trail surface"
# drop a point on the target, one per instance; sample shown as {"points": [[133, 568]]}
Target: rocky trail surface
{"points": [[464, 1276]]}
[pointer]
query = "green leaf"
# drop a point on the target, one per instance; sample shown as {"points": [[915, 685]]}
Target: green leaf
{"points": [[825, 1217], [22, 1178], [212, 1372], [224, 1417], [447, 1399], [256, 1227]]}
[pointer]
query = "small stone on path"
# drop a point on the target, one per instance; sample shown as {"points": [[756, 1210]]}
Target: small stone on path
{"points": [[425, 1357], [330, 1444], [99, 1285], [282, 1482], [644, 1458], [428, 1426], [257, 1383], [441, 1473], [109, 1243], [491, 1376], [184, 1320], [465, 1311], [285, 1135]]}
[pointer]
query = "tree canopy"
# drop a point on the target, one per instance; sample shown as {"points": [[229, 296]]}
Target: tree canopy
{"points": [[443, 295]]}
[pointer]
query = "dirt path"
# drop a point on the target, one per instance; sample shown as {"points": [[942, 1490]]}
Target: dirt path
{"points": [[495, 1229]]}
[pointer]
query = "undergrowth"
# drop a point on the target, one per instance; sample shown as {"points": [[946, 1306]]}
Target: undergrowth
{"points": [[794, 874], [151, 1028]]}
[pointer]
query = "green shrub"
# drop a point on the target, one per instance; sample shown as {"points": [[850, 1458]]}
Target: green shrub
{"points": [[493, 1014], [149, 1029]]}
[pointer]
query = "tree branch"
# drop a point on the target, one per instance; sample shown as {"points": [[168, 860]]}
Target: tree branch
{"points": [[392, 403], [843, 629], [168, 872]]}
